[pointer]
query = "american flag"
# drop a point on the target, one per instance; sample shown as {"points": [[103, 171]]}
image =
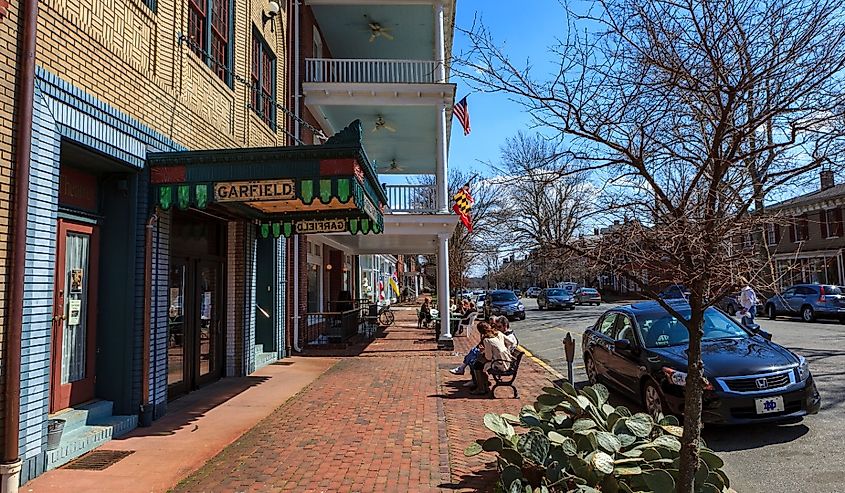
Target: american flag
{"points": [[461, 112]]}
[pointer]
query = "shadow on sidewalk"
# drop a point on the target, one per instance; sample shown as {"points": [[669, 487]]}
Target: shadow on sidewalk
{"points": [[187, 409], [456, 390], [477, 481]]}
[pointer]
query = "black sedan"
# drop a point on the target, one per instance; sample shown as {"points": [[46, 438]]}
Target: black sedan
{"points": [[504, 302], [555, 298], [641, 350]]}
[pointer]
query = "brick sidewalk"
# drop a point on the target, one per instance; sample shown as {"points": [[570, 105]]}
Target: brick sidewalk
{"points": [[390, 419]]}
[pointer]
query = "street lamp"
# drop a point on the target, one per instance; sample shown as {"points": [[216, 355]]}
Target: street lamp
{"points": [[273, 9]]}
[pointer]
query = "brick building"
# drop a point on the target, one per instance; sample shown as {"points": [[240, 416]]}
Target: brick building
{"points": [[185, 207], [808, 246]]}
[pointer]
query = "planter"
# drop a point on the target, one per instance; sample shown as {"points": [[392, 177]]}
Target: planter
{"points": [[55, 427]]}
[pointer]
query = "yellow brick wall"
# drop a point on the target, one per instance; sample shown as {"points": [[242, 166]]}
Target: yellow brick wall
{"points": [[127, 55], [8, 62]]}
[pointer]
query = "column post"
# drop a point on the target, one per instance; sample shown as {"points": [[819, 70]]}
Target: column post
{"points": [[441, 169], [439, 42], [443, 290]]}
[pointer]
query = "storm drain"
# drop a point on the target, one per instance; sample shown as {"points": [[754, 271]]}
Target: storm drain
{"points": [[98, 460]]}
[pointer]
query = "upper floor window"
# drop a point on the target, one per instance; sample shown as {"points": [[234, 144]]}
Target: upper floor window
{"points": [[799, 230], [747, 240], [209, 32], [831, 223], [772, 234], [263, 80]]}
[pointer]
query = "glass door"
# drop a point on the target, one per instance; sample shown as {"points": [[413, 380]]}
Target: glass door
{"points": [[177, 332], [208, 280], [194, 343], [74, 315]]}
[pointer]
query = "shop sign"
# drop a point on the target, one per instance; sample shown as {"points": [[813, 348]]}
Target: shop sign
{"points": [[77, 189], [253, 191], [370, 209], [320, 226]]}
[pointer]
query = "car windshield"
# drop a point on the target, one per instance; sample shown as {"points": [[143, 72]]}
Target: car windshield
{"points": [[662, 330], [556, 292], [506, 296]]}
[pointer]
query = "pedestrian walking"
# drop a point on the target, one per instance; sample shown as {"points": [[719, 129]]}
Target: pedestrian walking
{"points": [[748, 302]]}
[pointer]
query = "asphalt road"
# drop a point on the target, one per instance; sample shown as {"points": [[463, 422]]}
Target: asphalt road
{"points": [[799, 457]]}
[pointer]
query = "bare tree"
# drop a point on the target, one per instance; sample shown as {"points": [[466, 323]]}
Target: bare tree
{"points": [[689, 114], [547, 200]]}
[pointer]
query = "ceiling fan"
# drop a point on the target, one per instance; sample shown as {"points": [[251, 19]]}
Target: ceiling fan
{"points": [[393, 167], [381, 124], [378, 31]]}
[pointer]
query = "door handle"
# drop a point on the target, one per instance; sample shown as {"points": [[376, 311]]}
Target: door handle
{"points": [[58, 318]]}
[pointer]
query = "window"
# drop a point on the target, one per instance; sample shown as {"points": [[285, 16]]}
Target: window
{"points": [[747, 241], [263, 80], [799, 231], [626, 330], [772, 234], [606, 325], [209, 28], [831, 223]]}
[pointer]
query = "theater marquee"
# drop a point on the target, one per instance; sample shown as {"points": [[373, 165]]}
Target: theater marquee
{"points": [[254, 191]]}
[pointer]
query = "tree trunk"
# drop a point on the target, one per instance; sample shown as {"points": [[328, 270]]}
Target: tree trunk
{"points": [[692, 400]]}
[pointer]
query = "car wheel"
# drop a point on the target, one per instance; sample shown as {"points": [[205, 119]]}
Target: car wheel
{"points": [[731, 310], [770, 311], [652, 399], [807, 314], [590, 368]]}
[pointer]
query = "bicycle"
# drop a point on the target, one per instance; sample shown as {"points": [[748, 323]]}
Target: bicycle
{"points": [[385, 316]]}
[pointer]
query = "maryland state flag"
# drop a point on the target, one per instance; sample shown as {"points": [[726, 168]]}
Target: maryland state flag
{"points": [[463, 204]]}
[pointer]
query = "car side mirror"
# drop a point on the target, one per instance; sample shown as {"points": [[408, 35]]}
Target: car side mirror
{"points": [[623, 344]]}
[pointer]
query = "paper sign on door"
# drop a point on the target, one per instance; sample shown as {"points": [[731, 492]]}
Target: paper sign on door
{"points": [[74, 310]]}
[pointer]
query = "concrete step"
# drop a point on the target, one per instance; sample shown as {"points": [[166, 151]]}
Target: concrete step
{"points": [[88, 437], [259, 348], [84, 414], [264, 359]]}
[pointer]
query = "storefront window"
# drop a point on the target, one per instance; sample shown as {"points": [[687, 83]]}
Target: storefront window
{"points": [[313, 288]]}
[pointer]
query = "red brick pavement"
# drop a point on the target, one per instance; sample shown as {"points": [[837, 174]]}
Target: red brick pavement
{"points": [[390, 419]]}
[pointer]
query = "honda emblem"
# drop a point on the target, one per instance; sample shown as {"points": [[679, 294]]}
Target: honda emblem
{"points": [[762, 383]]}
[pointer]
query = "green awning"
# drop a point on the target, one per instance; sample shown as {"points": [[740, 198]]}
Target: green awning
{"points": [[308, 189]]}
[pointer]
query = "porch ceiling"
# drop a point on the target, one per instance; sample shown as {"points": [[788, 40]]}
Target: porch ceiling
{"points": [[413, 144], [347, 32]]}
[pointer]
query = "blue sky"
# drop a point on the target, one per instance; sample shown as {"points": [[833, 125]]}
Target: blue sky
{"points": [[526, 29]]}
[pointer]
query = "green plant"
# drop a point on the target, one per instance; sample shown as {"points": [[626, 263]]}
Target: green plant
{"points": [[577, 442]]}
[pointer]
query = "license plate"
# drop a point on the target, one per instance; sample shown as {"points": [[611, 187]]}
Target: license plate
{"points": [[769, 404]]}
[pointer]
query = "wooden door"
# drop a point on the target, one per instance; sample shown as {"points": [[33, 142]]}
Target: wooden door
{"points": [[74, 315]]}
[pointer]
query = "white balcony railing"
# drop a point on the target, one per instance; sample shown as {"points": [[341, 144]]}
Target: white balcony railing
{"points": [[418, 199], [370, 71]]}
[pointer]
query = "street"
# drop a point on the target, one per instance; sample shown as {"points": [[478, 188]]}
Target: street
{"points": [[762, 458]]}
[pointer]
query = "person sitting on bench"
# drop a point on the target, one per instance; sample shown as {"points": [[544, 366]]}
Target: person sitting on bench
{"points": [[502, 325], [496, 353], [425, 312]]}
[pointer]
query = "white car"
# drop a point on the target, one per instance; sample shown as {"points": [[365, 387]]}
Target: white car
{"points": [[532, 292], [479, 303]]}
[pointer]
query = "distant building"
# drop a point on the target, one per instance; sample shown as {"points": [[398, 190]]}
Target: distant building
{"points": [[808, 247]]}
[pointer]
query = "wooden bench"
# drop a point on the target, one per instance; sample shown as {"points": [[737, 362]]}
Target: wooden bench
{"points": [[506, 378]]}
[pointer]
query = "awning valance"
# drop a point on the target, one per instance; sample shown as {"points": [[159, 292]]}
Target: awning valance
{"points": [[300, 189]]}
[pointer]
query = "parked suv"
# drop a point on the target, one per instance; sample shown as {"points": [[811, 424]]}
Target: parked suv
{"points": [[809, 301], [532, 292]]}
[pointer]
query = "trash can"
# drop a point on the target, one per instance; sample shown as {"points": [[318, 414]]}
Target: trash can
{"points": [[55, 427]]}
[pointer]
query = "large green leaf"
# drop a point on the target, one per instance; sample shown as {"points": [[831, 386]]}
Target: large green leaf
{"points": [[602, 462], [667, 441], [534, 446], [659, 481], [583, 402], [640, 424], [669, 421], [625, 439], [569, 447], [569, 389], [510, 474], [713, 461], [602, 392], [627, 470], [473, 449], [492, 444], [583, 425], [510, 418], [608, 441], [511, 456], [701, 474], [623, 411], [497, 425], [549, 400]]}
